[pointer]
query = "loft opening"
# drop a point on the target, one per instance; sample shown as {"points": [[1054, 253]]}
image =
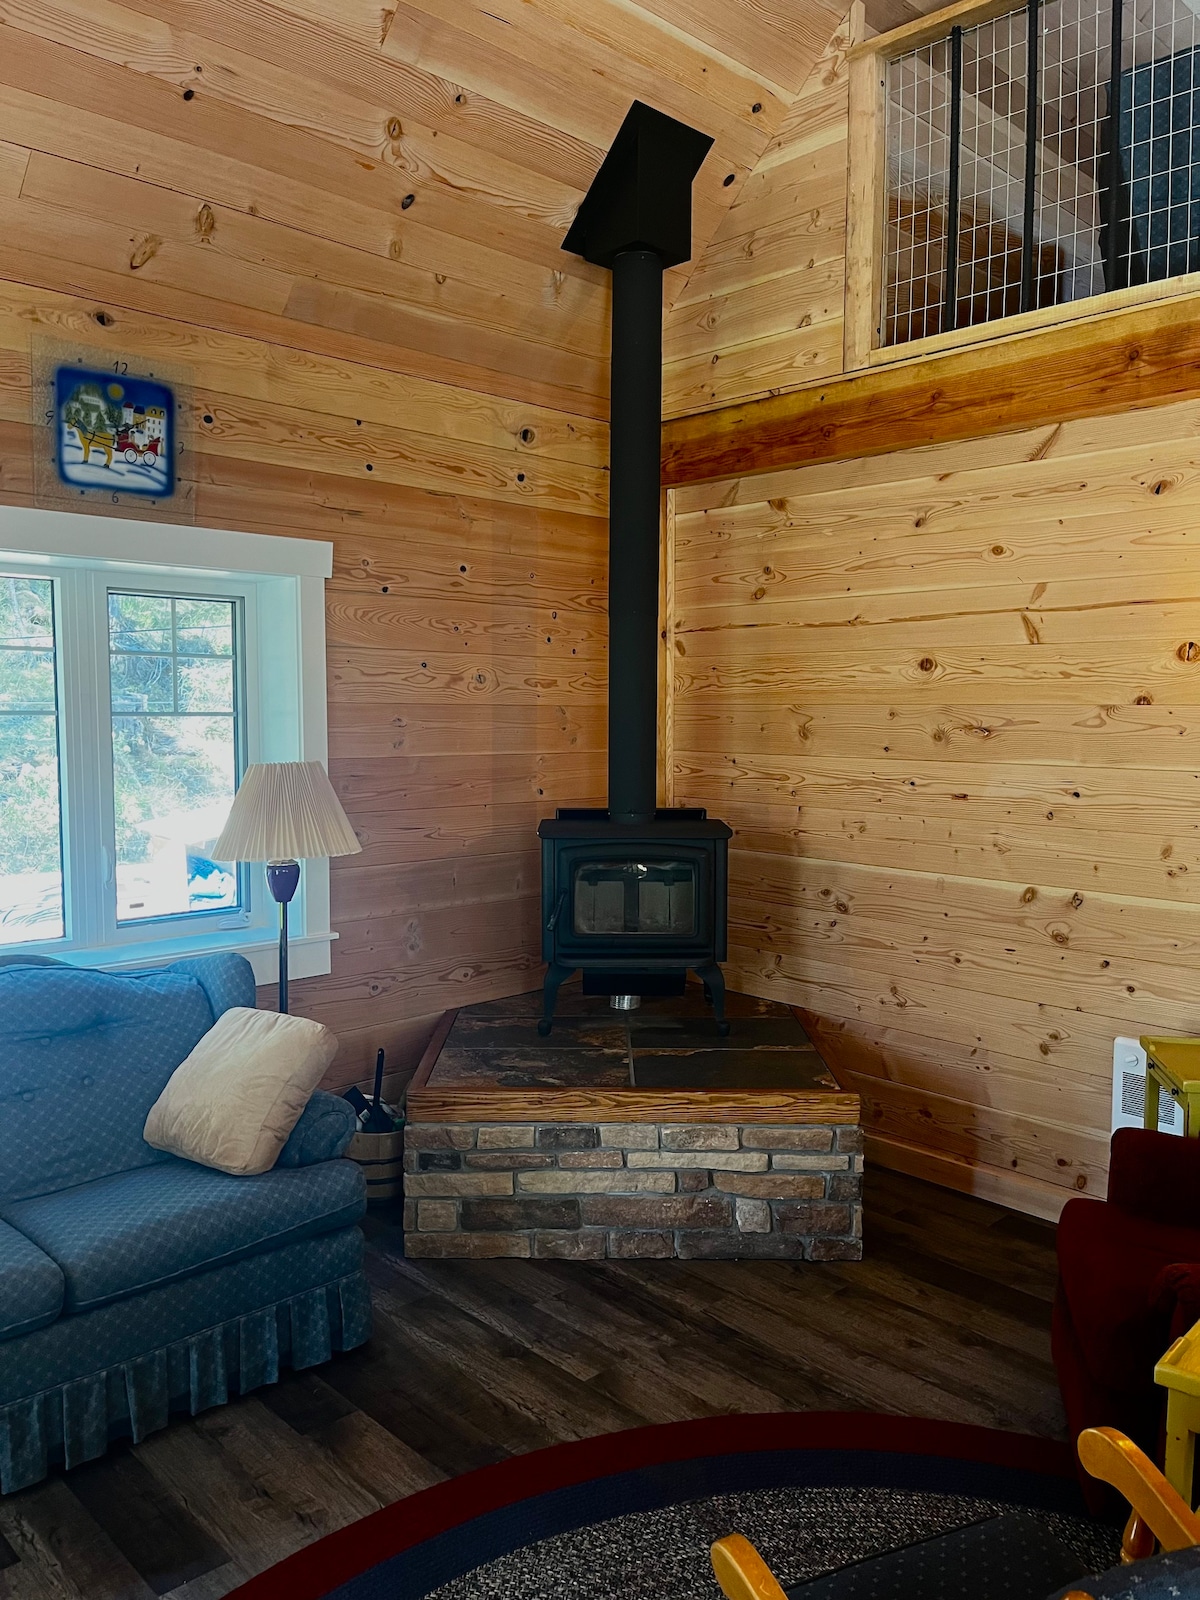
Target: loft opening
{"points": [[1035, 159]]}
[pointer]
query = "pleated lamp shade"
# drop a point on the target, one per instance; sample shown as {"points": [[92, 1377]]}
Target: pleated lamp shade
{"points": [[285, 811]]}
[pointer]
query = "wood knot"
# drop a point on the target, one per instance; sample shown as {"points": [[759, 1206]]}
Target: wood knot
{"points": [[926, 664], [1059, 936], [1144, 700], [206, 222], [1077, 900], [1189, 651], [145, 250], [1028, 896], [395, 128]]}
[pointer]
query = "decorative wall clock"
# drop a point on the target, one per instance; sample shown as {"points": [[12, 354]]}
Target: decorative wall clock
{"points": [[112, 435], [114, 431]]}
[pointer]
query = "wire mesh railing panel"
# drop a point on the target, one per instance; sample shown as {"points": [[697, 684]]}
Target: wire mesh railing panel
{"points": [[1039, 158], [1159, 120], [1074, 82], [918, 147], [991, 160]]}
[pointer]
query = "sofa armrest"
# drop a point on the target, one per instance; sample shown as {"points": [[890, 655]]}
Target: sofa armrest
{"points": [[326, 1126], [1175, 1295], [1155, 1175]]}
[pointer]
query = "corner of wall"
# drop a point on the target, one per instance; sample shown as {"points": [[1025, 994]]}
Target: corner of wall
{"points": [[762, 309]]}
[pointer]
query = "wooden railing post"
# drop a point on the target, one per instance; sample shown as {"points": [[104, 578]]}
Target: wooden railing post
{"points": [[864, 200]]}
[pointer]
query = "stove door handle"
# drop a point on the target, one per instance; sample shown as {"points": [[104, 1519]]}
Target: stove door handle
{"points": [[554, 915]]}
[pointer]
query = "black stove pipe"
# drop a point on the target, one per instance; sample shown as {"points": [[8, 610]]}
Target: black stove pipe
{"points": [[634, 492], [636, 219]]}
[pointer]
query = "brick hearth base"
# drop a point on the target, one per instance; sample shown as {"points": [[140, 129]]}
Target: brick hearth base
{"points": [[633, 1189]]}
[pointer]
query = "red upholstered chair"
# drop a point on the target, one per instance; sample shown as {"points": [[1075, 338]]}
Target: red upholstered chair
{"points": [[1128, 1284]]}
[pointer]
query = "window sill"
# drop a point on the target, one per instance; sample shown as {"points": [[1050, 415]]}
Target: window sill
{"points": [[308, 954]]}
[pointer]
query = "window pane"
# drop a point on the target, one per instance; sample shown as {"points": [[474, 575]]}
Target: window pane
{"points": [[143, 683], [31, 879], [202, 628], [176, 744], [139, 622]]}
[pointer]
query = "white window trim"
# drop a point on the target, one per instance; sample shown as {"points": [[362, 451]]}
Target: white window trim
{"points": [[287, 650]]}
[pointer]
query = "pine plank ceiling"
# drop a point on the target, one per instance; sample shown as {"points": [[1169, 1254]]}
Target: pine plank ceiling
{"points": [[388, 185]]}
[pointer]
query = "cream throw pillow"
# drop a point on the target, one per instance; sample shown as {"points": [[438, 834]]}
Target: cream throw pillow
{"points": [[232, 1103]]}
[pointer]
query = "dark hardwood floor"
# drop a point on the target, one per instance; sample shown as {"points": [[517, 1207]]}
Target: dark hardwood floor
{"points": [[948, 1316]]}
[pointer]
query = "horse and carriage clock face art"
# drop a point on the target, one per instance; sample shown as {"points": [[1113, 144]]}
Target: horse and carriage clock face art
{"points": [[114, 431]]}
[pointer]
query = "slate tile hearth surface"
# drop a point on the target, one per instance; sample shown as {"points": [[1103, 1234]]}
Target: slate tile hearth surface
{"points": [[668, 1043], [729, 1069], [512, 1067], [756, 1033]]}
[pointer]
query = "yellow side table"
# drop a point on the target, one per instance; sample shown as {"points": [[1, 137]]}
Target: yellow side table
{"points": [[1179, 1374], [1174, 1065]]}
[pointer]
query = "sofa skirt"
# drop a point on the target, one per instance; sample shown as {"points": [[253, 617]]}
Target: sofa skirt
{"points": [[71, 1419]]}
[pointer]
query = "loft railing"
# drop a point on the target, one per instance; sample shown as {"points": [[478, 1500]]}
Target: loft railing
{"points": [[1016, 162]]}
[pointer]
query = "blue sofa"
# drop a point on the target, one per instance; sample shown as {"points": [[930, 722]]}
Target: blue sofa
{"points": [[133, 1283]]}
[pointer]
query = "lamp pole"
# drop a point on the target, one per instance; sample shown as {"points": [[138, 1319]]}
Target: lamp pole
{"points": [[282, 879]]}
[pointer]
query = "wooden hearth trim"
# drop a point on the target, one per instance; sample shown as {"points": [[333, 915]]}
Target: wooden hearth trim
{"points": [[432, 1051], [477, 1104]]}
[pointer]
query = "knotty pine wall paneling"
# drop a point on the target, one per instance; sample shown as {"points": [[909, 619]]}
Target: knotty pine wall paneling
{"points": [[949, 700], [762, 309], [346, 222]]}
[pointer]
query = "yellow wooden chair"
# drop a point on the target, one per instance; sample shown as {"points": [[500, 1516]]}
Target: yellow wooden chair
{"points": [[1159, 1516]]}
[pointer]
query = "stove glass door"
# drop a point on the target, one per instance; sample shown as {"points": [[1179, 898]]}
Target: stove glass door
{"points": [[635, 897]]}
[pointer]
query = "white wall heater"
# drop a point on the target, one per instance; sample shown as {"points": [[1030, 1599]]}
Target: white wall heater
{"points": [[1129, 1091]]}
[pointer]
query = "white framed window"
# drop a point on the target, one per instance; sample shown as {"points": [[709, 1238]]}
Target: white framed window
{"points": [[143, 667]]}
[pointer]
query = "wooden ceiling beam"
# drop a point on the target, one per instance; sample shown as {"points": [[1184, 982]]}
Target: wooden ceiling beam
{"points": [[1126, 360]]}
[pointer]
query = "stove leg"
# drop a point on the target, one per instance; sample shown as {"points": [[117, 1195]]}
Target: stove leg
{"points": [[556, 976], [713, 980]]}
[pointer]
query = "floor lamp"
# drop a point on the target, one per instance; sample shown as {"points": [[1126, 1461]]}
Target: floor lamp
{"points": [[285, 812]]}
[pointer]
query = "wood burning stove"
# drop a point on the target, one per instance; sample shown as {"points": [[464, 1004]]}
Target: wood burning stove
{"points": [[635, 896], [634, 905]]}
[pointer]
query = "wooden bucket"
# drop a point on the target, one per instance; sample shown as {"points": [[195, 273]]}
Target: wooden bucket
{"points": [[381, 1156]]}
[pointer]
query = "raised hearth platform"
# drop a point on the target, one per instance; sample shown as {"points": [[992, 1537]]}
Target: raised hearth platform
{"points": [[641, 1134]]}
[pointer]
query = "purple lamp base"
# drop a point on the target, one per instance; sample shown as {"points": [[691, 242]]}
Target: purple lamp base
{"points": [[283, 877]]}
